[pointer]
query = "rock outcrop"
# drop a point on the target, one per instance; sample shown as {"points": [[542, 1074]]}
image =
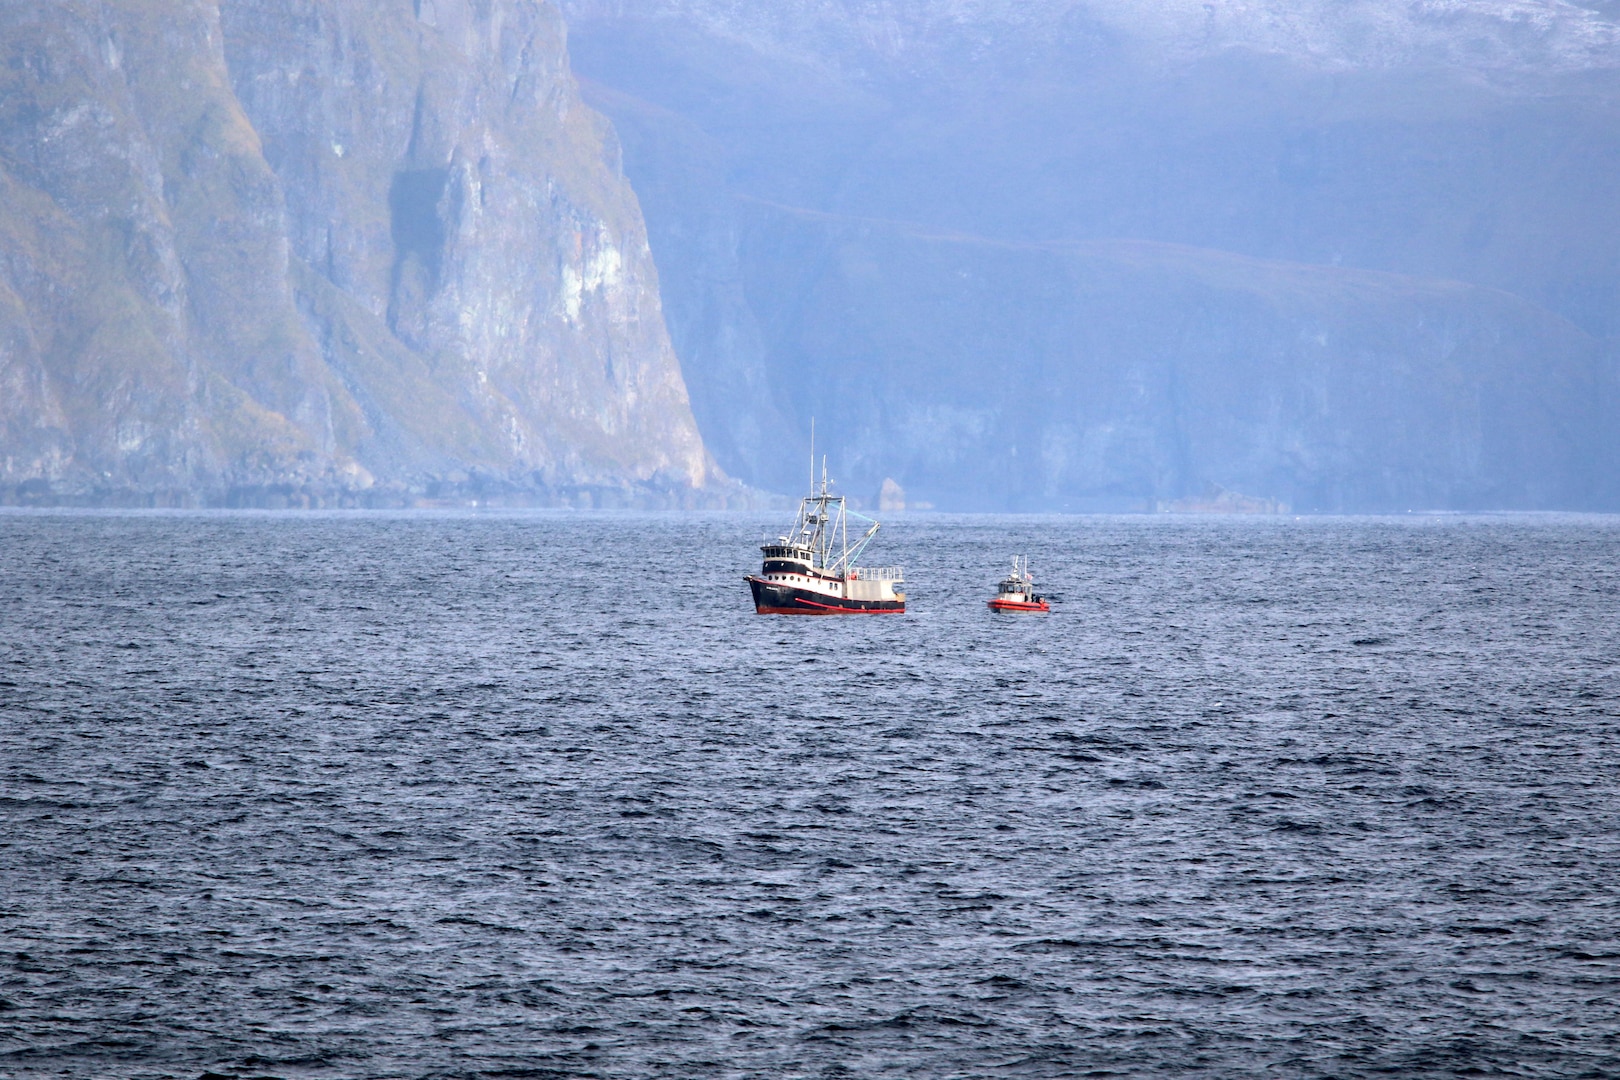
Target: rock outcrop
{"points": [[322, 251]]}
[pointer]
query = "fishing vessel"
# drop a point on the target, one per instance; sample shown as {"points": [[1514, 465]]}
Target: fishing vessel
{"points": [[812, 571], [1017, 590]]}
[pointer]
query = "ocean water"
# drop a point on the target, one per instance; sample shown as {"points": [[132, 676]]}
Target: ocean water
{"points": [[538, 795]]}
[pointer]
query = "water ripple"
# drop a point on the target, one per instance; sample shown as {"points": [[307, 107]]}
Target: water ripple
{"points": [[538, 795]]}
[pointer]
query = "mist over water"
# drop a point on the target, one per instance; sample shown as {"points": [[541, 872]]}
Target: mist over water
{"points": [[539, 795]]}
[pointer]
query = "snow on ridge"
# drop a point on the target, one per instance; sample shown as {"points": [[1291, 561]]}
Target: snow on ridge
{"points": [[1486, 35], [1549, 35]]}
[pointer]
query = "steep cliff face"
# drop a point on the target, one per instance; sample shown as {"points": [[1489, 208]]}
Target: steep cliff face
{"points": [[150, 336], [271, 250], [874, 171], [448, 191]]}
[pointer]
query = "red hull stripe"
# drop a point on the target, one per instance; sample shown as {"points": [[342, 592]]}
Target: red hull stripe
{"points": [[1017, 605], [834, 609], [822, 609]]}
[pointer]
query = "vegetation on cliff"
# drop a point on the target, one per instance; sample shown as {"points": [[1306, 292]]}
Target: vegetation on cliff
{"points": [[322, 251]]}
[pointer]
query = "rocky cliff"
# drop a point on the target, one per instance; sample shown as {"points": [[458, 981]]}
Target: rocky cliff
{"points": [[322, 251], [1339, 256]]}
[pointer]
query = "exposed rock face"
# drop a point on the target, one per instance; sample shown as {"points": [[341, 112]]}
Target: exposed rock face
{"points": [[318, 249], [1369, 258]]}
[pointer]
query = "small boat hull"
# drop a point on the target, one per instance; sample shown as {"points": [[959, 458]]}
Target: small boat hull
{"points": [[1001, 604], [775, 598]]}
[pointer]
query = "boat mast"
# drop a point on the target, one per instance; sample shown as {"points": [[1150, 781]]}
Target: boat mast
{"points": [[818, 530]]}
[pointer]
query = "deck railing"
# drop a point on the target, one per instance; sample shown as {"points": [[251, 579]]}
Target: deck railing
{"points": [[877, 573]]}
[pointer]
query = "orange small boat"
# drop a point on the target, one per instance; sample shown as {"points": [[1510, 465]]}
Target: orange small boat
{"points": [[1017, 590]]}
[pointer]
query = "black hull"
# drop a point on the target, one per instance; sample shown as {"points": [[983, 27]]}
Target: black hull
{"points": [[774, 598]]}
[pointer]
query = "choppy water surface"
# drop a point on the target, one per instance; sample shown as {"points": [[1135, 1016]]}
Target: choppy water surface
{"points": [[539, 795]]}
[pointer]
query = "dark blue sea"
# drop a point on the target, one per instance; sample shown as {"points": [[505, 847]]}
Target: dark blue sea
{"points": [[538, 795]]}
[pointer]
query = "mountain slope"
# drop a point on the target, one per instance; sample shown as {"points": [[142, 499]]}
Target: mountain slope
{"points": [[1467, 144], [320, 251]]}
